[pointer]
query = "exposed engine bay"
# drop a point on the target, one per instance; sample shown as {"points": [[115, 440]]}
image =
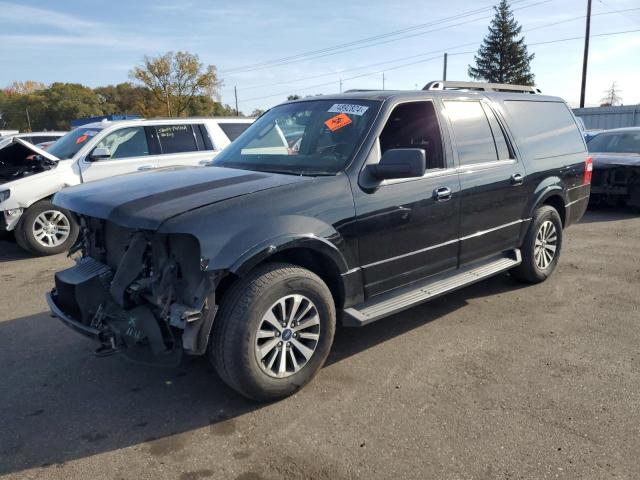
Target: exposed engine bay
{"points": [[137, 291], [18, 161]]}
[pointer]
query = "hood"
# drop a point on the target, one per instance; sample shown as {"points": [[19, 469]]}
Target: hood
{"points": [[146, 199], [19, 159], [612, 160], [37, 150]]}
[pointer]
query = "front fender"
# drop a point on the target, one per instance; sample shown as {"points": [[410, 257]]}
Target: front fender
{"points": [[249, 246]]}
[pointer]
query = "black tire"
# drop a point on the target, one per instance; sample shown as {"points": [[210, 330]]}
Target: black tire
{"points": [[25, 236], [529, 270], [233, 348]]}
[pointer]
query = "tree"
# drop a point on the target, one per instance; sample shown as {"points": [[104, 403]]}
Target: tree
{"points": [[256, 113], [502, 57], [293, 97], [612, 96], [26, 87], [176, 79]]}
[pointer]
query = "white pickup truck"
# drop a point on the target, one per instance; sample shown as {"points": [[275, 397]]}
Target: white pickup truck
{"points": [[29, 176]]}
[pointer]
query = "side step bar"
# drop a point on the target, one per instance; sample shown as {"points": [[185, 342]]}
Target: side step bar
{"points": [[402, 298]]}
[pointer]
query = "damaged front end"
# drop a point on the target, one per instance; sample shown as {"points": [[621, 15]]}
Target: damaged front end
{"points": [[616, 184], [136, 291], [20, 159]]}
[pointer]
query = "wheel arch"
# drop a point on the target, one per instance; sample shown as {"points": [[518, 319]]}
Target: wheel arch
{"points": [[315, 254], [552, 195]]}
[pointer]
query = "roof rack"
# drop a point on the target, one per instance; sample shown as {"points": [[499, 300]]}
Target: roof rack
{"points": [[482, 87], [356, 90]]}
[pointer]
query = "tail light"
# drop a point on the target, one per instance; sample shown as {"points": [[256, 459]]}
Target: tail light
{"points": [[588, 170]]}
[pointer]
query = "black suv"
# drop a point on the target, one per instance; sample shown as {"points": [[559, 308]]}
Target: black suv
{"points": [[336, 208]]}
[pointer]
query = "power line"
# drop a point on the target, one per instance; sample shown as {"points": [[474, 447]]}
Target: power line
{"points": [[309, 87], [336, 49], [431, 52]]}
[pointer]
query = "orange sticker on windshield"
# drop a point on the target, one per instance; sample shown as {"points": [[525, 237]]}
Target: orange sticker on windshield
{"points": [[339, 121], [81, 139]]}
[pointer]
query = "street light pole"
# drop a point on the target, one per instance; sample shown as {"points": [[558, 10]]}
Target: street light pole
{"points": [[585, 57]]}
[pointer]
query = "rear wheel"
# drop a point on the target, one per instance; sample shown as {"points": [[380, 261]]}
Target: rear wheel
{"points": [[273, 332], [541, 247], [45, 229]]}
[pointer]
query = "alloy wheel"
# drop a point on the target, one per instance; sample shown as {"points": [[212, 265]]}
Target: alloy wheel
{"points": [[287, 336], [546, 245]]}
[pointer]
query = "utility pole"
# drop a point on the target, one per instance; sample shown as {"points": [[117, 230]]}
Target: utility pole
{"points": [[444, 68], [340, 85], [28, 118], [585, 58], [382, 80], [235, 93]]}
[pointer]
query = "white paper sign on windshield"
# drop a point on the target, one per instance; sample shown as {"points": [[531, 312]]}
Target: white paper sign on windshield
{"points": [[348, 108]]}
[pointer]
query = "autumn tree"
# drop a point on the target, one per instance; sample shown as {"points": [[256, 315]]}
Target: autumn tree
{"points": [[177, 79], [503, 57]]}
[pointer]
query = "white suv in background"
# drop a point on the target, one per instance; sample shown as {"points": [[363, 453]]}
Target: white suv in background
{"points": [[29, 176]]}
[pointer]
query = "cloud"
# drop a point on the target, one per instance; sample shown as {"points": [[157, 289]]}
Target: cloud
{"points": [[24, 15]]}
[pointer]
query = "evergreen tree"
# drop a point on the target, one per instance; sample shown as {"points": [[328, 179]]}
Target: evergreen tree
{"points": [[502, 57]]}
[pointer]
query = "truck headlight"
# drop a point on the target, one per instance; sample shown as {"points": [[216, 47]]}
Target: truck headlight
{"points": [[4, 195]]}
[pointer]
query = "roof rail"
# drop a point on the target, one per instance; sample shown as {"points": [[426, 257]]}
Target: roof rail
{"points": [[479, 86], [355, 90]]}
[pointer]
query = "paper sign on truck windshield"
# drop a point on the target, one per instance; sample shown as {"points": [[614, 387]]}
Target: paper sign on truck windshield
{"points": [[339, 121], [349, 108]]}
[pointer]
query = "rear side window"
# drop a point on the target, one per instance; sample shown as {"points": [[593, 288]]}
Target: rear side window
{"points": [[473, 135], [233, 130], [544, 129], [176, 138]]}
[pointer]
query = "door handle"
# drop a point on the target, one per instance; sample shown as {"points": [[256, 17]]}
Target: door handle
{"points": [[517, 179], [442, 194], [145, 167]]}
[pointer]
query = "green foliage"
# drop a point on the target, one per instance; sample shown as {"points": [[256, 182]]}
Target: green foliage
{"points": [[502, 57], [256, 113], [294, 97], [174, 84]]}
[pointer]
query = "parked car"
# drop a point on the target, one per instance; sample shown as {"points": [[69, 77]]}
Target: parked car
{"points": [[383, 201], [616, 167], [29, 176], [33, 138]]}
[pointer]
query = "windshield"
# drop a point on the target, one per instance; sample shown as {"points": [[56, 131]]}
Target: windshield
{"points": [[68, 146], [317, 137], [621, 142]]}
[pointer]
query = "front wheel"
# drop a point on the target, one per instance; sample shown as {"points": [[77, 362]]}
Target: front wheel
{"points": [[541, 247], [45, 229], [273, 332]]}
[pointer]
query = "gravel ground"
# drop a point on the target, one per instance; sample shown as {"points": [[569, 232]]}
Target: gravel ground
{"points": [[496, 381]]}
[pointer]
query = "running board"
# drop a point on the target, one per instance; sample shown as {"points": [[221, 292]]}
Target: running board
{"points": [[402, 298]]}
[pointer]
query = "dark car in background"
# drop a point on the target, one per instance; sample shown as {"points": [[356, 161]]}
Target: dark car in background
{"points": [[616, 167], [345, 208]]}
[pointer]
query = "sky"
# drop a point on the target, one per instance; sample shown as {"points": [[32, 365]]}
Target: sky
{"points": [[98, 43]]}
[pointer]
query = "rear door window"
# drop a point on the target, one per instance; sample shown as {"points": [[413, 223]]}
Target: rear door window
{"points": [[544, 129], [176, 138], [472, 132]]}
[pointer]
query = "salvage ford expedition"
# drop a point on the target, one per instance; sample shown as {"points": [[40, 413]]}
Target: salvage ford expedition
{"points": [[337, 208]]}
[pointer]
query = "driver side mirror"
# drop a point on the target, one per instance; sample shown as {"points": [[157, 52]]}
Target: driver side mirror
{"points": [[100, 153], [400, 163]]}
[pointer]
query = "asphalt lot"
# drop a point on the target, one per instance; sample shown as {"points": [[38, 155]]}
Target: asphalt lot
{"points": [[496, 381]]}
